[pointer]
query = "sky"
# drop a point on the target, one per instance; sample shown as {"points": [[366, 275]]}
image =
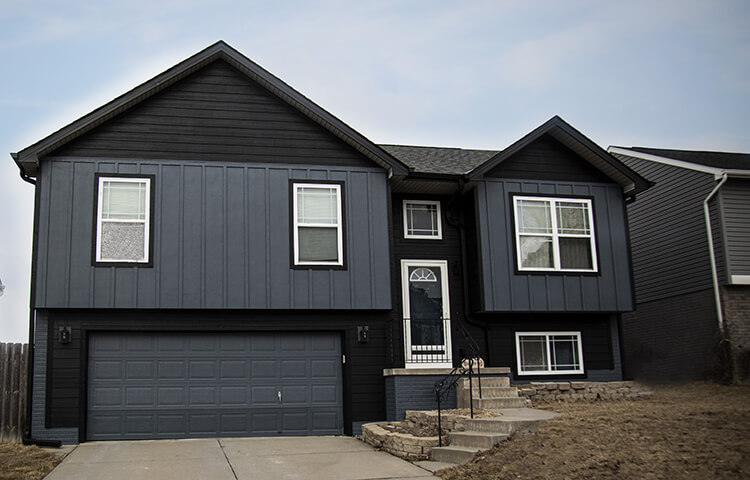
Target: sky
{"points": [[473, 74]]}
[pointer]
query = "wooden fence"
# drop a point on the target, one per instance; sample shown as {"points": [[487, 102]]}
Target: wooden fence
{"points": [[14, 358]]}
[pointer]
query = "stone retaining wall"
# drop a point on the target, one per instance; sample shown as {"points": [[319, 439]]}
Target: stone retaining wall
{"points": [[406, 445], [544, 392]]}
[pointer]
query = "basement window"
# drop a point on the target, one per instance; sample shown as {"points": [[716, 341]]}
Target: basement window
{"points": [[549, 353]]}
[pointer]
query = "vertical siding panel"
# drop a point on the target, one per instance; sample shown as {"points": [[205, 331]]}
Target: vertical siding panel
{"points": [[380, 247], [146, 287], [170, 227], [43, 247], [235, 239], [359, 234], [81, 234], [555, 293], [278, 231], [124, 294], [258, 230], [345, 281], [215, 240], [192, 237], [58, 264]]}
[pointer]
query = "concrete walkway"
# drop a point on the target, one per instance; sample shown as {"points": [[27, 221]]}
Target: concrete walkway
{"points": [[312, 458]]}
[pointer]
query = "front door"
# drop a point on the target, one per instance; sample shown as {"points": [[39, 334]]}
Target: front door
{"points": [[427, 339]]}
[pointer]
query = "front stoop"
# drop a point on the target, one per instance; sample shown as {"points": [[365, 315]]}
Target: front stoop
{"points": [[496, 392], [484, 433]]}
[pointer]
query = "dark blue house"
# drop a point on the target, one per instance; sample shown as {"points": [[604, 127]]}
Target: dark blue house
{"points": [[216, 255]]}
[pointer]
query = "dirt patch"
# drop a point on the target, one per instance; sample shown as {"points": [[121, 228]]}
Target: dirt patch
{"points": [[21, 462], [689, 431]]}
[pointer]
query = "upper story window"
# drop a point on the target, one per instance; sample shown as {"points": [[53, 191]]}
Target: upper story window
{"points": [[422, 219], [549, 353], [318, 224], [554, 234], [123, 220]]}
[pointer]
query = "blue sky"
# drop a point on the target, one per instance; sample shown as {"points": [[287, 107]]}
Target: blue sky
{"points": [[478, 74]]}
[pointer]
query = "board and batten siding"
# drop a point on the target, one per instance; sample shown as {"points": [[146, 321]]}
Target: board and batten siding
{"points": [[735, 206], [506, 290], [668, 231], [221, 239]]}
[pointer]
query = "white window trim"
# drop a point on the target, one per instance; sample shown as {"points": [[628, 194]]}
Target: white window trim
{"points": [[549, 370], [555, 235], [146, 220], [337, 226], [439, 235], [412, 360]]}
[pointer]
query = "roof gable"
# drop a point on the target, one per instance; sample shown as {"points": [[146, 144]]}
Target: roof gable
{"points": [[579, 144], [28, 158], [547, 159]]}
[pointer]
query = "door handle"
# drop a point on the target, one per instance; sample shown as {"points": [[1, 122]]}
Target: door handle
{"points": [[279, 393]]}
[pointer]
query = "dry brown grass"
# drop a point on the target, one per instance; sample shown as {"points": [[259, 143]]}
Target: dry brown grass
{"points": [[689, 431], [21, 462]]}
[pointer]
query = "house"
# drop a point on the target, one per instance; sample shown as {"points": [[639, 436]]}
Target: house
{"points": [[691, 260], [216, 255]]}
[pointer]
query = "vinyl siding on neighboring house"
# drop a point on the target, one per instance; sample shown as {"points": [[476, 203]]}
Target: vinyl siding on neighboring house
{"points": [[505, 289], [221, 239], [735, 207], [668, 231]]}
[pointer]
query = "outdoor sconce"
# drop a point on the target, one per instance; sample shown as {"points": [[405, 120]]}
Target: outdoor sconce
{"points": [[64, 334], [363, 334]]}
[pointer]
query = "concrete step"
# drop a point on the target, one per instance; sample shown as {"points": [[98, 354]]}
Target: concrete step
{"points": [[495, 392], [453, 454], [507, 402], [487, 381], [476, 439]]}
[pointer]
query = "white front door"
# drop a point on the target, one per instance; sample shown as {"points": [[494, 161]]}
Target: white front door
{"points": [[426, 311]]}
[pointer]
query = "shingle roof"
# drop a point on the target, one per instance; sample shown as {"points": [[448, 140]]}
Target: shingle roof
{"points": [[739, 161], [451, 161]]}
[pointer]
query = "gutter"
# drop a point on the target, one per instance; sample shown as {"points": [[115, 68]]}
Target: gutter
{"points": [[712, 252], [22, 171]]}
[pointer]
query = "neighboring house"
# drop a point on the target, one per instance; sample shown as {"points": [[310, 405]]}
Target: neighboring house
{"points": [[690, 238], [216, 255]]}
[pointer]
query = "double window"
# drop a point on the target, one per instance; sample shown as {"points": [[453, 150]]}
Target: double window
{"points": [[554, 234], [123, 220], [317, 224], [549, 353], [422, 219]]}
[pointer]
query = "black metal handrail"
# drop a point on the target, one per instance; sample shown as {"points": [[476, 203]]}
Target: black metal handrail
{"points": [[475, 353], [449, 382]]}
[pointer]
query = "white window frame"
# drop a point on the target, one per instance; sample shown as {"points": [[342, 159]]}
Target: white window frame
{"points": [[413, 356], [338, 225], [436, 203], [555, 235], [549, 370], [146, 220]]}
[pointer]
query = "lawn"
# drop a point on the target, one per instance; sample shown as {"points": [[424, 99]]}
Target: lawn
{"points": [[20, 462], [689, 431]]}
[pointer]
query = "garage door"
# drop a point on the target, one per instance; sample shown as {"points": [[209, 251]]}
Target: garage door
{"points": [[207, 385]]}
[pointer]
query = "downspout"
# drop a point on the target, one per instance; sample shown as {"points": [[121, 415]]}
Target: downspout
{"points": [[26, 434], [465, 266], [712, 252]]}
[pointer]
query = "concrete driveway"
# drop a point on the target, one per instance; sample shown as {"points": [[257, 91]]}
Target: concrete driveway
{"points": [[270, 458]]}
